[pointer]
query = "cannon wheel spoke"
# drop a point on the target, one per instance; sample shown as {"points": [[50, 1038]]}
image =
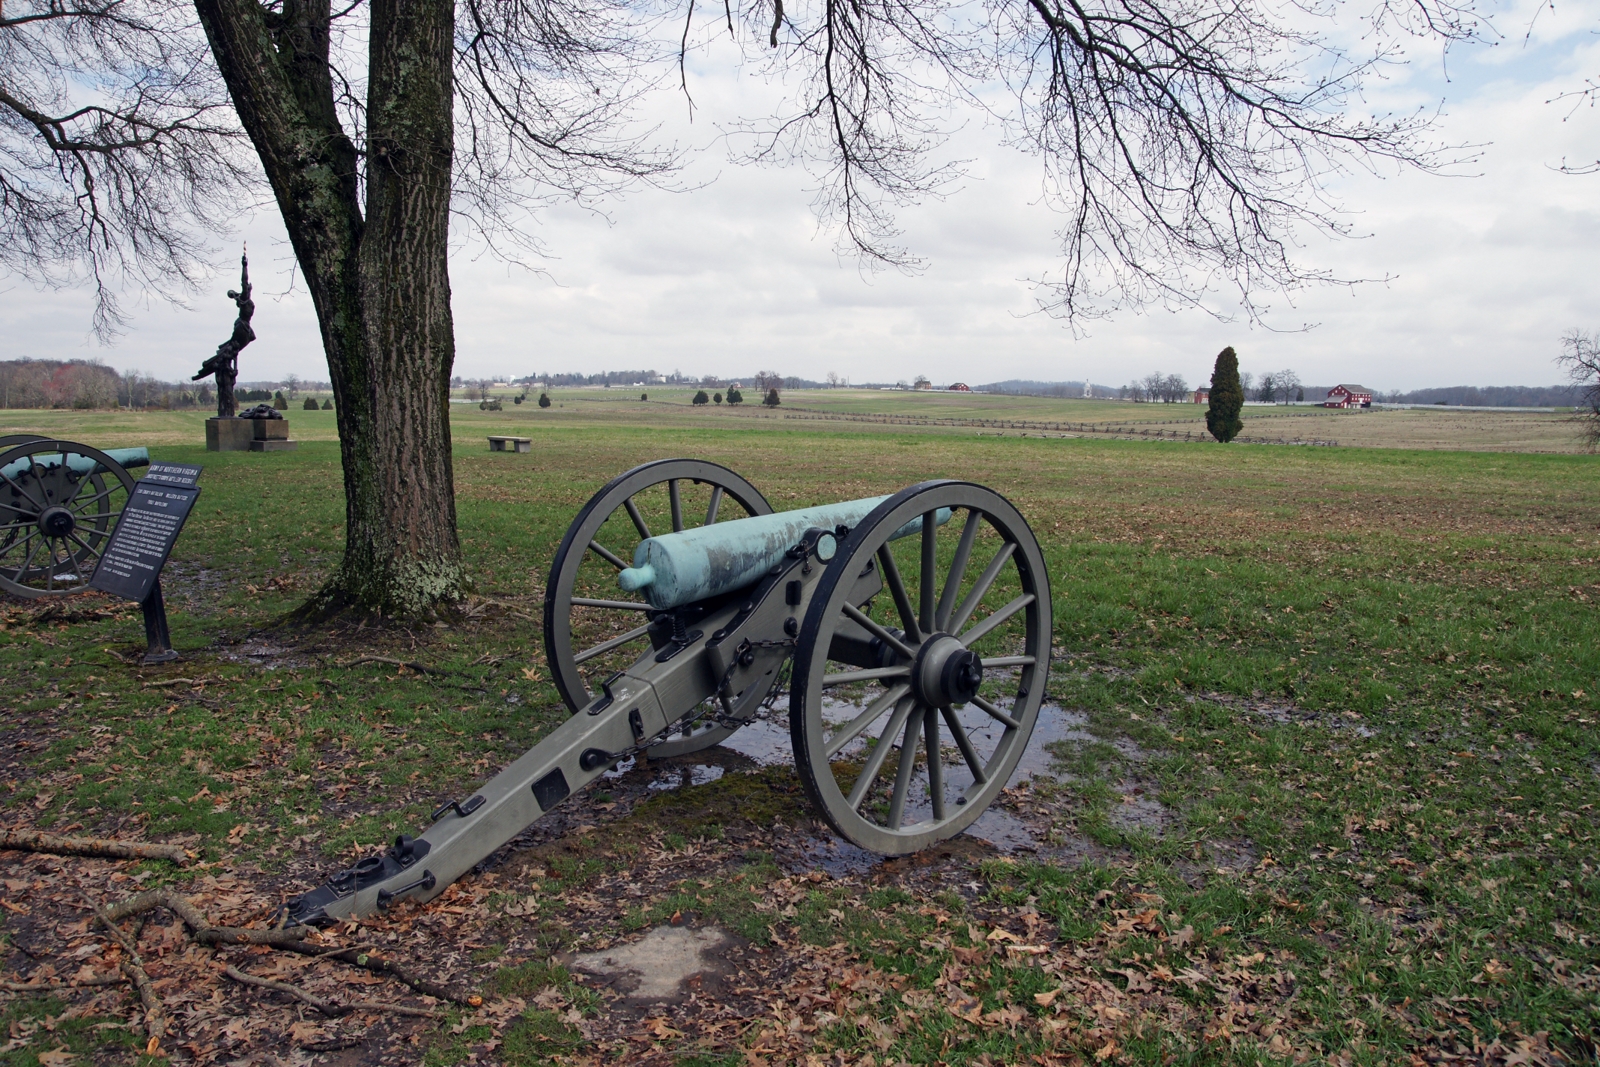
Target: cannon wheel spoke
{"points": [[58, 560], [589, 631], [946, 752]]}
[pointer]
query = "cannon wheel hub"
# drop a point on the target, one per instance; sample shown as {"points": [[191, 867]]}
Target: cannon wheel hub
{"points": [[946, 672], [56, 522]]}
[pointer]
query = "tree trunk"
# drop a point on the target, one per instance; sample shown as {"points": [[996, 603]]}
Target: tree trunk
{"points": [[379, 279]]}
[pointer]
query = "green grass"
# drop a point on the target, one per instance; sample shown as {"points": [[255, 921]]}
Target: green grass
{"points": [[1374, 670]]}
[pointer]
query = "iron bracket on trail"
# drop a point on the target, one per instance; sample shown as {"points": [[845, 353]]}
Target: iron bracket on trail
{"points": [[718, 606]]}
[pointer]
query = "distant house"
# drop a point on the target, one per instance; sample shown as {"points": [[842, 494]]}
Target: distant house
{"points": [[1348, 396], [1202, 396], [960, 387]]}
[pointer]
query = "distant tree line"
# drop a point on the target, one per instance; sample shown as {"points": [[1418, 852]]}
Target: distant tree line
{"points": [[88, 384], [1490, 396], [1026, 387]]}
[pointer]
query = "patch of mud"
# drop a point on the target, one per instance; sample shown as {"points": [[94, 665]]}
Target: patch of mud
{"points": [[829, 853], [1140, 811], [667, 965], [192, 587], [1004, 831], [266, 655], [1287, 712]]}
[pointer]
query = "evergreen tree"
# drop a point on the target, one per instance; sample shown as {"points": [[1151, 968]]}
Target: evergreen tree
{"points": [[701, 398], [1227, 398], [735, 397], [544, 400], [772, 398], [717, 398]]}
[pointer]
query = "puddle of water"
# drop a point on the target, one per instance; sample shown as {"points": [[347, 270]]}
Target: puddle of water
{"points": [[1004, 831], [686, 775], [767, 743]]}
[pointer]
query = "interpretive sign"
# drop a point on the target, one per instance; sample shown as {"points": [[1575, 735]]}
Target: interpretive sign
{"points": [[145, 533], [181, 474]]}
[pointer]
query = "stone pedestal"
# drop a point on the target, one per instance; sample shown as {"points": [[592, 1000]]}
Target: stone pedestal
{"points": [[271, 435], [229, 435]]}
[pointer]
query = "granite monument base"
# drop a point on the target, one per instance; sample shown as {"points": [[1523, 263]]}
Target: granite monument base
{"points": [[271, 435], [229, 435]]}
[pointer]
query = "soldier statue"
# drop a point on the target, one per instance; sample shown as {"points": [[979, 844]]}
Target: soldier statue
{"points": [[225, 363]]}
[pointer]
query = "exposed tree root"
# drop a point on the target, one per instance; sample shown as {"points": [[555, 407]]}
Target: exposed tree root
{"points": [[34, 841]]}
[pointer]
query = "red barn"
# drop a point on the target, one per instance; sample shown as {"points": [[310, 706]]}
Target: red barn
{"points": [[960, 387], [1348, 396]]}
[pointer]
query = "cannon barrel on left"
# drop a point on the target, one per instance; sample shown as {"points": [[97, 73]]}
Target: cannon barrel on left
{"points": [[886, 624], [126, 458]]}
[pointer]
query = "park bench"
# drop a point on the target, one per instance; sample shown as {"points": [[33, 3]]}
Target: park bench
{"points": [[518, 444]]}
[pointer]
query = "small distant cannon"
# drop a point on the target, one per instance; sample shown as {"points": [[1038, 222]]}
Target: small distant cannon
{"points": [[917, 662], [59, 502]]}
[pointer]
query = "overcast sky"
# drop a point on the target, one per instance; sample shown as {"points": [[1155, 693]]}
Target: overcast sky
{"points": [[1489, 268]]}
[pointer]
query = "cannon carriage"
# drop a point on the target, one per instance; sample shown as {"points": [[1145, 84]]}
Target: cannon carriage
{"points": [[913, 631]]}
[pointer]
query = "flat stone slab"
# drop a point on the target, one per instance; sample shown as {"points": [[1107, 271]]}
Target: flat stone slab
{"points": [[663, 964]]}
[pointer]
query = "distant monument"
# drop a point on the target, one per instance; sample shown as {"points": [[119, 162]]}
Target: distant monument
{"points": [[261, 429], [225, 364]]}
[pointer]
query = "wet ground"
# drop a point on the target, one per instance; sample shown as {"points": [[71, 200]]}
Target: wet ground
{"points": [[1014, 824]]}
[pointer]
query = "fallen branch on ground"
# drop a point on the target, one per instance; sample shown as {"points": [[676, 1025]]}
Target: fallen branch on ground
{"points": [[419, 668], [289, 940], [34, 841], [328, 1007], [169, 682], [155, 1016], [49, 987]]}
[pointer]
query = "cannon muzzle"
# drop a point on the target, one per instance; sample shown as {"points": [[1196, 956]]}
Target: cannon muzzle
{"points": [[679, 568]]}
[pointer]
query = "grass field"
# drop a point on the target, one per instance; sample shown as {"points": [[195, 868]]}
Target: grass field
{"points": [[1333, 798], [1409, 428]]}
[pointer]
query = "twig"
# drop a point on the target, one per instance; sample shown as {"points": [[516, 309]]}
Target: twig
{"points": [[45, 987], [324, 1006], [328, 1007], [155, 1017], [419, 668], [372, 963], [34, 841], [169, 682], [289, 940], [397, 1009]]}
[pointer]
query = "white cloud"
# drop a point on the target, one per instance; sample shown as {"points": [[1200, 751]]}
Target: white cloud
{"points": [[1487, 271]]}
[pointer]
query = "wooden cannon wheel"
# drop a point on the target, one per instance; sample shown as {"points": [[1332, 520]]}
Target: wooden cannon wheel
{"points": [[55, 521], [591, 628], [906, 753]]}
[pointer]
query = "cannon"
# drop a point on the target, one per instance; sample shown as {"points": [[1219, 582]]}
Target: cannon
{"points": [[59, 502], [914, 632]]}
